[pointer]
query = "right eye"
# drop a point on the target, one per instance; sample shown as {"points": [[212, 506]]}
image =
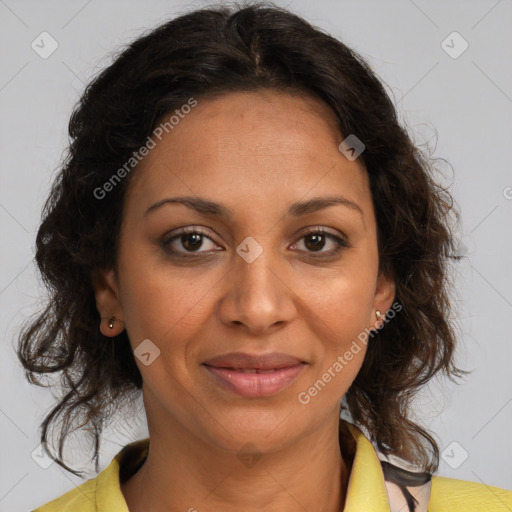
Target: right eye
{"points": [[190, 238]]}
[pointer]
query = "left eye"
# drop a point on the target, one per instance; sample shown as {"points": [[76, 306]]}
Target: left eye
{"points": [[191, 239], [316, 240]]}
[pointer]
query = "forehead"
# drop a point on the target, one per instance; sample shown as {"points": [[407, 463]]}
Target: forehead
{"points": [[265, 147]]}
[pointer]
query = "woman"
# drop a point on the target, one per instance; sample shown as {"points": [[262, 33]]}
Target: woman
{"points": [[243, 231]]}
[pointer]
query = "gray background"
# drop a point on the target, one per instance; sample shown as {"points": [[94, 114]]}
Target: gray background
{"points": [[466, 100]]}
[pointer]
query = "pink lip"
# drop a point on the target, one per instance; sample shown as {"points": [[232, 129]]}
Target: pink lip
{"points": [[256, 385], [242, 360]]}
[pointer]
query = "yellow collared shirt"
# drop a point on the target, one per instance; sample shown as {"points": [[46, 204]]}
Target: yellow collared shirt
{"points": [[368, 490]]}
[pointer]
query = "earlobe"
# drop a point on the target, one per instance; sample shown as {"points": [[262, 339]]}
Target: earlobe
{"points": [[106, 291], [384, 296]]}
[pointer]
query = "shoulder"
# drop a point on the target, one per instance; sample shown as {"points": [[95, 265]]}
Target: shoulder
{"points": [[79, 499], [103, 492], [449, 494]]}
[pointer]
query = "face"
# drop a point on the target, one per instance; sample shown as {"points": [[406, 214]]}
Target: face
{"points": [[256, 276]]}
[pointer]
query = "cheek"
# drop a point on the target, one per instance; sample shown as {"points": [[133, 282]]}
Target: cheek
{"points": [[153, 308], [166, 309], [338, 322], [341, 310], [163, 304], [343, 304], [145, 296]]}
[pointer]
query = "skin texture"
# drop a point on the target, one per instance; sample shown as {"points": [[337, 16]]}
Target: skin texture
{"points": [[256, 153]]}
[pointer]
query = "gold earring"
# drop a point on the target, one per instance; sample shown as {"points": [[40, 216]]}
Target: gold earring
{"points": [[378, 314], [111, 322]]}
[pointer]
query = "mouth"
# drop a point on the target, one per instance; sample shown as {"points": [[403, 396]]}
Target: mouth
{"points": [[254, 362], [255, 382], [249, 370]]}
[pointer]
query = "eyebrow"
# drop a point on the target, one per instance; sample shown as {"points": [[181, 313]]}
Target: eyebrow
{"points": [[210, 208]]}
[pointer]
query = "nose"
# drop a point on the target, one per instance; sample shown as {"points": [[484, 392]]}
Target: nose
{"points": [[257, 295]]}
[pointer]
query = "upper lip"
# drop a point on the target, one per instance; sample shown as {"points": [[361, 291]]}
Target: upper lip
{"points": [[241, 360]]}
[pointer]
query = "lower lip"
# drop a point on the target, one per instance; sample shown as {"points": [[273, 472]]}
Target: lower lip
{"points": [[256, 385]]}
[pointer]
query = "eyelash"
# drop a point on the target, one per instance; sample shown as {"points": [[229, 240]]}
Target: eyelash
{"points": [[342, 244]]}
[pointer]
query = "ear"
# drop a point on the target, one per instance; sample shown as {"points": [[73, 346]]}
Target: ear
{"points": [[106, 290], [384, 296]]}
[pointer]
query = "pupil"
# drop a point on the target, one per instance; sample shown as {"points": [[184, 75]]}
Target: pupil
{"points": [[319, 241], [195, 245]]}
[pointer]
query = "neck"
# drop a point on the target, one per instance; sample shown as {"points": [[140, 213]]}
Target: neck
{"points": [[182, 472]]}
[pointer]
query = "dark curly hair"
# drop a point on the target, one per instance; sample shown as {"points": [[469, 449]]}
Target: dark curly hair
{"points": [[212, 51]]}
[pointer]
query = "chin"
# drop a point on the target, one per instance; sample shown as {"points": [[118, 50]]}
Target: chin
{"points": [[268, 431]]}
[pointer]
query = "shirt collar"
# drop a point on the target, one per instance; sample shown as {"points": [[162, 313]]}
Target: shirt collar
{"points": [[367, 488]]}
